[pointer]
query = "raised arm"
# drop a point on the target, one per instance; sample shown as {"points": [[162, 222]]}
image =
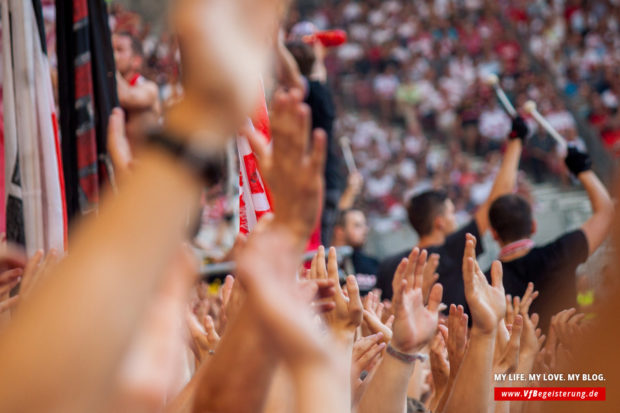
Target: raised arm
{"points": [[507, 176], [139, 97], [487, 304], [286, 67], [596, 228], [88, 308], [414, 326]]}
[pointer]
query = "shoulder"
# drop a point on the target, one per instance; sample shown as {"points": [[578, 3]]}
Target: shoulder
{"points": [[390, 263]]}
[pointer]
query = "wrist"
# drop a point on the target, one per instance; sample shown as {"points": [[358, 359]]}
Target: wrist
{"points": [[192, 120], [483, 332], [407, 358]]}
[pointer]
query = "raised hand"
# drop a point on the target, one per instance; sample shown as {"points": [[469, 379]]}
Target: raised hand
{"points": [[372, 324], [367, 353], [531, 343], [440, 369], [508, 358], [430, 277], [204, 338], [567, 325], [487, 303], [456, 340], [207, 30], [266, 267], [293, 173], [348, 311], [414, 324]]}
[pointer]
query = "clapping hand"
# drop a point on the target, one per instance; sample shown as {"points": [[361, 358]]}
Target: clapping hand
{"points": [[487, 303], [347, 313], [414, 324]]}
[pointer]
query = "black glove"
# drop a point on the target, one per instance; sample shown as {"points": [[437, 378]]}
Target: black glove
{"points": [[577, 162], [519, 129]]}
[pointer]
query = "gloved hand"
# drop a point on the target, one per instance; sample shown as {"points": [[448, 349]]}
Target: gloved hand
{"points": [[577, 161], [519, 129]]}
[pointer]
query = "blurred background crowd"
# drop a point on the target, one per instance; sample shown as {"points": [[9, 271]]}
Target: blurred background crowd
{"points": [[411, 93]]}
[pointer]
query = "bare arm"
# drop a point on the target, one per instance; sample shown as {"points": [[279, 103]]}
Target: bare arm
{"points": [[487, 304], [247, 371], [110, 275], [138, 97], [287, 69], [596, 228], [504, 182], [414, 326]]}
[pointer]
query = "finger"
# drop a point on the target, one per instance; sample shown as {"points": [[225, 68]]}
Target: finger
{"points": [[227, 288], [534, 319], [434, 298], [10, 275], [259, 146], [7, 287], [313, 274], [212, 335], [29, 276], [321, 268], [399, 275], [444, 331], [497, 275], [369, 355], [332, 267], [468, 272], [411, 266], [355, 302], [379, 310], [419, 270], [516, 303], [8, 304], [365, 343], [390, 322]]}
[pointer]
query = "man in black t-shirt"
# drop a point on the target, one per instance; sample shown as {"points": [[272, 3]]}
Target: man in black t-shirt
{"points": [[550, 267], [431, 215], [351, 229]]}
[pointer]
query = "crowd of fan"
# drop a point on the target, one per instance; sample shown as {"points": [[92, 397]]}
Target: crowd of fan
{"points": [[422, 66], [122, 323]]}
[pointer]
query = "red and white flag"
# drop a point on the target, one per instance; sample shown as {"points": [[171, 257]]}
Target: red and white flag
{"points": [[254, 201]]}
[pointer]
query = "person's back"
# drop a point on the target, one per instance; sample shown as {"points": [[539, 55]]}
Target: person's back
{"points": [[550, 267]]}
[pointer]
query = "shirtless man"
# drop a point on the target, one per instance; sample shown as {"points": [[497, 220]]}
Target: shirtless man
{"points": [[137, 95]]}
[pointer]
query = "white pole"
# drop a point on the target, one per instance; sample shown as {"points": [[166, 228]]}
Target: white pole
{"points": [[494, 82], [345, 144], [530, 106]]}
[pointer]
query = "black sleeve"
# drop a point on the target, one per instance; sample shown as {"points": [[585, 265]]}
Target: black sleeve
{"points": [[568, 251], [455, 243]]}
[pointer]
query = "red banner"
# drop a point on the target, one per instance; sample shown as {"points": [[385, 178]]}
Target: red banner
{"points": [[549, 393]]}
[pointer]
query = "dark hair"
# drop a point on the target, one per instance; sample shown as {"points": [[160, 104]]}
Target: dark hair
{"points": [[511, 217], [136, 44], [424, 208], [304, 56], [341, 220]]}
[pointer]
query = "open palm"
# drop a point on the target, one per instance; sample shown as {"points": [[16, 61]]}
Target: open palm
{"points": [[414, 324], [487, 303]]}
